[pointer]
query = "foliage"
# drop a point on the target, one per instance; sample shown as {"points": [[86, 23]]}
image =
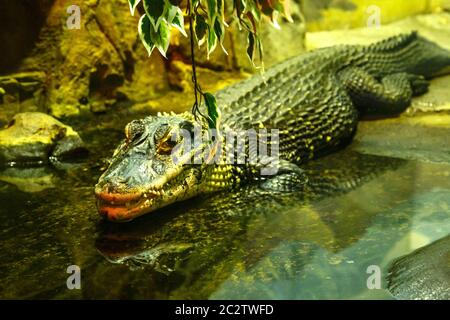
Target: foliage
{"points": [[210, 20], [207, 23]]}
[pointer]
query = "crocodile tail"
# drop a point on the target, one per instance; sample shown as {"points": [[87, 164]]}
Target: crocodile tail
{"points": [[410, 53], [395, 43]]}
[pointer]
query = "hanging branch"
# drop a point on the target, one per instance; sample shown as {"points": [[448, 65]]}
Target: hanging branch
{"points": [[162, 16], [213, 116], [197, 90]]}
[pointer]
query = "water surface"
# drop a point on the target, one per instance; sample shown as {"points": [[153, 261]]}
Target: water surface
{"points": [[359, 209]]}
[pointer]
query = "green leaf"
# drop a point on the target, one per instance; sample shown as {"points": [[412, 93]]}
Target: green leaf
{"points": [[161, 37], [212, 11], [212, 41], [256, 13], [275, 15], [221, 11], [170, 12], [283, 9], [155, 11], [213, 110], [219, 30], [251, 46], [200, 27], [133, 5], [239, 7], [259, 45], [145, 28], [178, 21]]}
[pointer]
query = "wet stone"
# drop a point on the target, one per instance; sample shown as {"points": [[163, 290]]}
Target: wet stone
{"points": [[34, 137]]}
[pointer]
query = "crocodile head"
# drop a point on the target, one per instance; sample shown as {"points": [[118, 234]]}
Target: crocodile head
{"points": [[152, 168]]}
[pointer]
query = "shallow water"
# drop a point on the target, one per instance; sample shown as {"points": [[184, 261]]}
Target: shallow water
{"points": [[358, 210]]}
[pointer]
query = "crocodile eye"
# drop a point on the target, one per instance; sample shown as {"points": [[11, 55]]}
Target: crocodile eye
{"points": [[161, 132], [133, 130], [166, 146], [166, 140]]}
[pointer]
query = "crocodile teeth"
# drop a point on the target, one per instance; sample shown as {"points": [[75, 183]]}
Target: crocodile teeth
{"points": [[154, 193]]}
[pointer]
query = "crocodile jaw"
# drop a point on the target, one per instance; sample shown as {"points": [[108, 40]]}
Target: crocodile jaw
{"points": [[128, 206]]}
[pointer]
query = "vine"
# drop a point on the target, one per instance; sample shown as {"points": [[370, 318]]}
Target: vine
{"points": [[208, 20]]}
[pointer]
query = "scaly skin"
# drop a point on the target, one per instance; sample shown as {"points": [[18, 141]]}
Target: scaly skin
{"points": [[314, 100]]}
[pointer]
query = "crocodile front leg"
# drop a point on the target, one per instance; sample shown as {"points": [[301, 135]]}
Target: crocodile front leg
{"points": [[288, 178], [390, 96]]}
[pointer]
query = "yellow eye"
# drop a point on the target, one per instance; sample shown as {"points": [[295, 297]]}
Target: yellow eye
{"points": [[165, 146], [128, 133]]}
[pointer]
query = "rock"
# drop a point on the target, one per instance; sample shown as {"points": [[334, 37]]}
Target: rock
{"points": [[181, 76], [101, 61], [36, 137], [23, 82], [415, 138], [423, 274], [104, 60], [98, 107], [344, 14], [437, 99], [434, 27]]}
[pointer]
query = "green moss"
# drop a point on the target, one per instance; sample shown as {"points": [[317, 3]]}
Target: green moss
{"points": [[64, 110], [35, 136]]}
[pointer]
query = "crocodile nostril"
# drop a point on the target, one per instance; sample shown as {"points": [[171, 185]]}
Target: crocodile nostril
{"points": [[117, 184]]}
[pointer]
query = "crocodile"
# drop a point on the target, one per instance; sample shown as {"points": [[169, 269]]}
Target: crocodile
{"points": [[207, 241], [314, 100]]}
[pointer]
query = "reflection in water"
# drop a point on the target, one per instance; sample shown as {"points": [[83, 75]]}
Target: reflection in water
{"points": [[259, 243], [356, 210], [35, 179], [29, 179]]}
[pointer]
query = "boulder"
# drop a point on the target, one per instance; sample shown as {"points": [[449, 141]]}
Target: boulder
{"points": [[34, 137]]}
